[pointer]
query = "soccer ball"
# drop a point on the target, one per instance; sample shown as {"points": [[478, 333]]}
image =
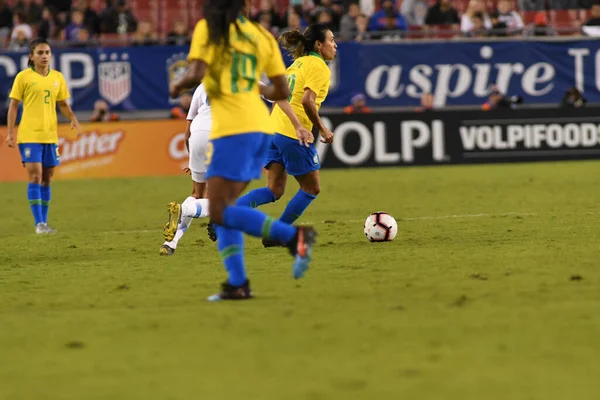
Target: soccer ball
{"points": [[380, 227]]}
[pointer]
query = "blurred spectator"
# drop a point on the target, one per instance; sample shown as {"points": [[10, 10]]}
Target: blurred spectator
{"points": [[532, 5], [362, 33], [510, 17], [499, 28], [594, 19], [145, 35], [19, 42], [264, 19], [118, 19], [180, 111], [367, 7], [178, 36], [31, 10], [426, 103], [337, 8], [415, 11], [563, 4], [19, 25], [267, 7], [358, 105], [76, 24], [6, 19], [84, 38], [498, 101], [540, 26], [294, 21], [48, 26], [478, 29], [387, 19], [442, 13], [102, 113], [348, 22], [573, 99], [91, 20], [324, 17], [475, 7]]}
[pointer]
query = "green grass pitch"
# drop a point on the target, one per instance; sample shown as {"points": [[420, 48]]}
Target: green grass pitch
{"points": [[491, 291]]}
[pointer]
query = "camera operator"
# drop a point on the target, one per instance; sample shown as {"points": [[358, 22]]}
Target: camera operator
{"points": [[498, 101], [573, 99]]}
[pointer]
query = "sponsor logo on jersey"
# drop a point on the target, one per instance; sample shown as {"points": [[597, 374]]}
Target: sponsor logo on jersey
{"points": [[177, 65], [114, 76], [27, 152]]}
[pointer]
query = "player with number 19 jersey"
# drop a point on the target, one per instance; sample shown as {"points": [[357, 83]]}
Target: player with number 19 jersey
{"points": [[235, 99]]}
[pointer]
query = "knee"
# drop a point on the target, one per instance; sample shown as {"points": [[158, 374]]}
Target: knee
{"points": [[196, 195], [313, 189], [277, 189], [45, 181], [36, 178]]}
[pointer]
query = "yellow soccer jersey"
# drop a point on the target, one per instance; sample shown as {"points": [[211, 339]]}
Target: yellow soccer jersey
{"points": [[307, 72], [235, 98], [39, 95]]}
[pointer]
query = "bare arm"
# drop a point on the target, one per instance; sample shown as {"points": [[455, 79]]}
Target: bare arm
{"points": [[12, 121], [310, 107], [193, 76], [277, 90], [66, 110]]}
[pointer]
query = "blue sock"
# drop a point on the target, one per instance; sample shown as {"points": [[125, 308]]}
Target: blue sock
{"points": [[296, 206], [231, 250], [256, 197], [256, 223], [34, 196], [45, 192]]}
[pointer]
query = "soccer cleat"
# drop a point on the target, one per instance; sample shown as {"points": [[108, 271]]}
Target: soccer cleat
{"points": [[230, 292], [49, 229], [174, 210], [301, 248], [165, 250], [272, 243], [40, 229], [212, 234]]}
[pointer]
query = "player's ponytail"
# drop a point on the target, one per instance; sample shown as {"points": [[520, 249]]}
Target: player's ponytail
{"points": [[300, 44], [35, 43]]}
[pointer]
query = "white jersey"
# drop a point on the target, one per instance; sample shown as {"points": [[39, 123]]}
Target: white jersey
{"points": [[200, 113]]}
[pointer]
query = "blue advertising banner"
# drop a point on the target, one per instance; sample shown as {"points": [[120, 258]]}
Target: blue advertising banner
{"points": [[389, 74]]}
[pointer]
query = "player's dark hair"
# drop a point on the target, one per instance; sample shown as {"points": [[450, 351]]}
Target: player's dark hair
{"points": [[300, 44], [35, 43]]}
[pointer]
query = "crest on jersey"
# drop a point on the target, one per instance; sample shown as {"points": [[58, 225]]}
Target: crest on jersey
{"points": [[177, 65], [114, 77]]}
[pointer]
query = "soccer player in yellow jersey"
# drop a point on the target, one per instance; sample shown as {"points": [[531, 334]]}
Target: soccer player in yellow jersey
{"points": [[229, 53], [309, 79], [40, 89]]}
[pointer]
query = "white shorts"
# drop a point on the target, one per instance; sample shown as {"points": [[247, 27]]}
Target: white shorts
{"points": [[198, 144]]}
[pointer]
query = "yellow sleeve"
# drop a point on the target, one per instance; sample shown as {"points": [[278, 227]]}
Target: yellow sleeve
{"points": [[63, 92], [199, 49], [17, 88], [317, 77], [274, 65]]}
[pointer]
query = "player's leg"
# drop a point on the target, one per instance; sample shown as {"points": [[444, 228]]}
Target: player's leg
{"points": [[168, 248], [31, 155], [276, 180], [50, 160], [197, 205], [303, 163], [47, 175], [236, 161]]}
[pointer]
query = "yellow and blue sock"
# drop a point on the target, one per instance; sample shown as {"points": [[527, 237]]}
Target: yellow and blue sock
{"points": [[256, 197], [258, 224], [296, 206], [45, 196], [34, 196], [231, 250]]}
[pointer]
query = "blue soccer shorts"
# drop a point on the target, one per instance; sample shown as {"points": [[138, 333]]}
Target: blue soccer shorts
{"points": [[297, 159], [45, 153], [237, 157]]}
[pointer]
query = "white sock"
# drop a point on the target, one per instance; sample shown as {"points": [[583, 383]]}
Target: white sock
{"points": [[194, 208]]}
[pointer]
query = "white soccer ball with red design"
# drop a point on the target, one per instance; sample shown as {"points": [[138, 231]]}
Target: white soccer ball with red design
{"points": [[380, 227]]}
